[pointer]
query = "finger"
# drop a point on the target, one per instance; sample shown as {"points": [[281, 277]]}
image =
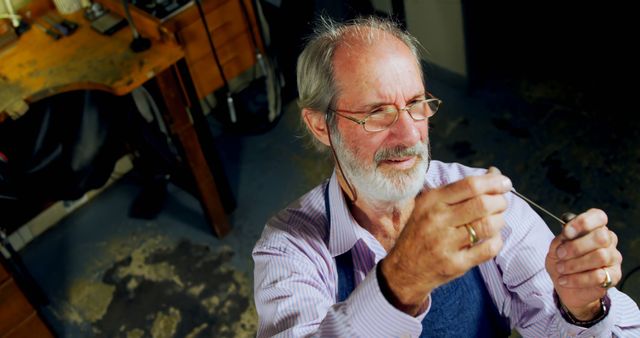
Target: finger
{"points": [[484, 228], [477, 208], [493, 170], [466, 237], [483, 251], [593, 260], [591, 278], [585, 223], [614, 239], [596, 239], [472, 186], [553, 248]]}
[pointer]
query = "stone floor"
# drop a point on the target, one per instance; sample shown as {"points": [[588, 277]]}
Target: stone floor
{"points": [[108, 275]]}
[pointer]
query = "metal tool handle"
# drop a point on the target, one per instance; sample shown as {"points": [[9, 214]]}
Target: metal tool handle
{"points": [[568, 216]]}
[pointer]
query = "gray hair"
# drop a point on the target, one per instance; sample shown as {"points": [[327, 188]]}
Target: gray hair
{"points": [[315, 74]]}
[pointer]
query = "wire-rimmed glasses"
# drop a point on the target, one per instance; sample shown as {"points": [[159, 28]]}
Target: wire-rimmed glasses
{"points": [[385, 116]]}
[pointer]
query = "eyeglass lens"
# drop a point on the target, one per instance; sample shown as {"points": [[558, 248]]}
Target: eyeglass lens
{"points": [[386, 117]]}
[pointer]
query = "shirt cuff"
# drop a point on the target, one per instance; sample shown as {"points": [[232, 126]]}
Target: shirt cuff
{"points": [[600, 329], [374, 316]]}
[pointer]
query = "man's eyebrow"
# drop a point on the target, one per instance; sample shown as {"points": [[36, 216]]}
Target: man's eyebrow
{"points": [[375, 105], [421, 95]]}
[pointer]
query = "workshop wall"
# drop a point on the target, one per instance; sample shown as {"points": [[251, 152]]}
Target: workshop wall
{"points": [[17, 4]]}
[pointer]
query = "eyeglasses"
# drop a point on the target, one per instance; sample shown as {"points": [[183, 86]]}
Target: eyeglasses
{"points": [[384, 117]]}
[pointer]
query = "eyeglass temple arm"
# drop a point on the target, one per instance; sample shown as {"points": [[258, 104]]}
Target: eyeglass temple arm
{"points": [[360, 122]]}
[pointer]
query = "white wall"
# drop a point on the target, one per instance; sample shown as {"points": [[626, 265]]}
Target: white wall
{"points": [[439, 27], [16, 4]]}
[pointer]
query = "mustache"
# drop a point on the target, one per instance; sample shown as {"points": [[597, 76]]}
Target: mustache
{"points": [[419, 149]]}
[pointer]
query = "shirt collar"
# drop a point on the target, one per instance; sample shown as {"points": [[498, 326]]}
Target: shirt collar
{"points": [[344, 231], [342, 226]]}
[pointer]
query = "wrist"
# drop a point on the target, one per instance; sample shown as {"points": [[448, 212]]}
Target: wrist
{"points": [[588, 316], [401, 297], [586, 313]]}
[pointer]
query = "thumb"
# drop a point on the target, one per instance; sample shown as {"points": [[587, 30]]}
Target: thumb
{"points": [[493, 170]]}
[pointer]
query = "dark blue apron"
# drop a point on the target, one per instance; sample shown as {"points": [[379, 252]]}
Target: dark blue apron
{"points": [[460, 308]]}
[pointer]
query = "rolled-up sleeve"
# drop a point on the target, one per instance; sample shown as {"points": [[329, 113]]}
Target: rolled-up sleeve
{"points": [[522, 289], [295, 294]]}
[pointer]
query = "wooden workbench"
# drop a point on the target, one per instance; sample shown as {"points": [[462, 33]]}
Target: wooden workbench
{"points": [[36, 67]]}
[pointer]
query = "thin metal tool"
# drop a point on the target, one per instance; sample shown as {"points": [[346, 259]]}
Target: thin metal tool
{"points": [[539, 207]]}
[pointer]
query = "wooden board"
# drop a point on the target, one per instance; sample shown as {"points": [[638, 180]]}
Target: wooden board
{"points": [[4, 275], [30, 328], [14, 306], [37, 66]]}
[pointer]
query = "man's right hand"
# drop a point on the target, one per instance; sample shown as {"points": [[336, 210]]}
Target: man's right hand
{"points": [[434, 246]]}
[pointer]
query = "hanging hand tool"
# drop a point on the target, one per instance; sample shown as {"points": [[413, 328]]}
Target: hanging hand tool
{"points": [[49, 32]]}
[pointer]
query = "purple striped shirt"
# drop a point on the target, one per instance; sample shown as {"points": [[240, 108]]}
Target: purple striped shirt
{"points": [[296, 282]]}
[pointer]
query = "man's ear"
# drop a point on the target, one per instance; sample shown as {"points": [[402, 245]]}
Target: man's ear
{"points": [[315, 122]]}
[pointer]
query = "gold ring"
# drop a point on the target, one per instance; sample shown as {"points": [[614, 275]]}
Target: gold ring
{"points": [[473, 237], [607, 280]]}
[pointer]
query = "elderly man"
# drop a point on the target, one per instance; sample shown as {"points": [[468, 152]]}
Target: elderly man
{"points": [[395, 244]]}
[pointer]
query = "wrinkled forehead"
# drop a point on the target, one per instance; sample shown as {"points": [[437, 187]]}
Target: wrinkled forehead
{"points": [[358, 39], [370, 59], [366, 46]]}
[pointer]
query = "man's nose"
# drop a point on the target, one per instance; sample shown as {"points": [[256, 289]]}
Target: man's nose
{"points": [[406, 130]]}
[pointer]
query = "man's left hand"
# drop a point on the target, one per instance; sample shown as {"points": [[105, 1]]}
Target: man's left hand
{"points": [[577, 261]]}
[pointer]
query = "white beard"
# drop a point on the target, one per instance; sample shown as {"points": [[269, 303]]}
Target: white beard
{"points": [[375, 185]]}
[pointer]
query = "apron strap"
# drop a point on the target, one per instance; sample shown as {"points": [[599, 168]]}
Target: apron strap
{"points": [[344, 262]]}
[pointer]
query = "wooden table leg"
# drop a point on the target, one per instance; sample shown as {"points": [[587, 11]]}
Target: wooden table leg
{"points": [[182, 127]]}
